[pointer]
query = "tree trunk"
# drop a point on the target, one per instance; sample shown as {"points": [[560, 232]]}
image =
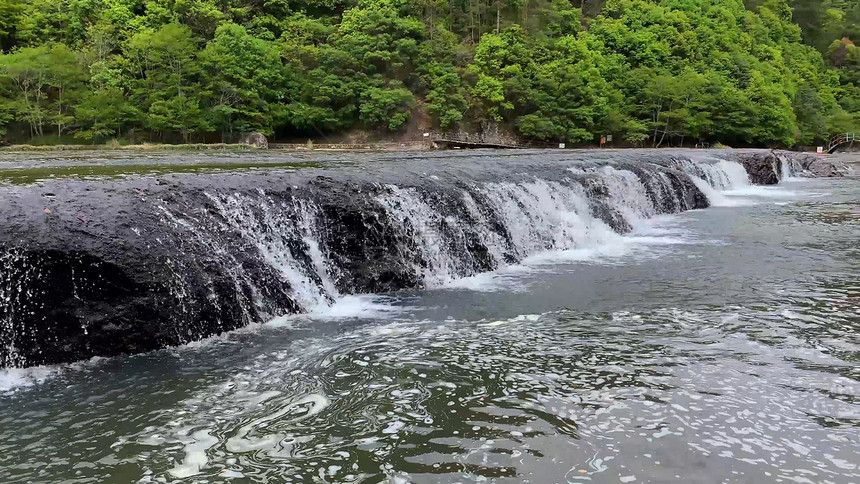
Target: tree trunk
{"points": [[665, 130], [657, 110], [60, 113], [656, 130]]}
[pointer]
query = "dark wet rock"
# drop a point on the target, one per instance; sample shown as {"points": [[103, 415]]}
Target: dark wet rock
{"points": [[110, 266], [257, 140], [763, 167], [766, 167], [815, 165]]}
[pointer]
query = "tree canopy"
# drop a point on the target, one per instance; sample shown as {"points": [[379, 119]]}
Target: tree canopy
{"points": [[655, 72]]}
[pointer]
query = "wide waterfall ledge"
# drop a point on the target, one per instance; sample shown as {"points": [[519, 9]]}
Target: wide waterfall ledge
{"points": [[105, 266]]}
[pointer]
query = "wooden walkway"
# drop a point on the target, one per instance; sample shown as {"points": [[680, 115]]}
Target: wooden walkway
{"points": [[842, 139], [452, 143]]}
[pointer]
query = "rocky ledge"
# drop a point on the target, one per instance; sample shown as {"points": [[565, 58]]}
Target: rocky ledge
{"points": [[766, 167], [100, 267]]}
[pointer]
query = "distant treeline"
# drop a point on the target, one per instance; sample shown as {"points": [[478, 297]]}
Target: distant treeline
{"points": [[653, 72]]}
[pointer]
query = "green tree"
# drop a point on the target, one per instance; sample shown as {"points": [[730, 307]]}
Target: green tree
{"points": [[66, 78], [10, 11], [28, 71], [103, 114], [166, 68], [505, 68], [446, 99], [572, 98], [180, 113], [244, 75], [390, 106], [668, 71]]}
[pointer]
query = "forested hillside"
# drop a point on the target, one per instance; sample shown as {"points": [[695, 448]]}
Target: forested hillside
{"points": [[650, 72]]}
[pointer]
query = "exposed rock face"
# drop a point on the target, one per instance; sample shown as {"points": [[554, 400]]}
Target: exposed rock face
{"points": [[110, 266], [257, 140], [766, 167], [815, 165], [763, 167]]}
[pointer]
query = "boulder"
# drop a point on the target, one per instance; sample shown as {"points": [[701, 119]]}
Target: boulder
{"points": [[818, 166], [814, 165], [763, 167], [257, 140]]}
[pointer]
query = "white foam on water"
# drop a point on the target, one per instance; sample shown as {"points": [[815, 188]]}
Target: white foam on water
{"points": [[201, 441], [195, 455], [648, 235], [646, 240], [347, 307], [726, 183], [242, 441], [578, 255], [624, 246], [12, 379], [506, 278], [361, 306], [761, 192], [522, 318], [717, 198]]}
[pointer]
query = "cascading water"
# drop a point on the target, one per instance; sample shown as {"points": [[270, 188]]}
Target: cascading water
{"points": [[789, 168], [714, 175], [199, 259]]}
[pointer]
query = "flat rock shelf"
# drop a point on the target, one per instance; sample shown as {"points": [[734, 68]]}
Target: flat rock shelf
{"points": [[100, 257]]}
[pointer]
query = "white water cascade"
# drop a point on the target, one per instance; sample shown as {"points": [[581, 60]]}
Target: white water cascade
{"points": [[790, 169], [218, 254], [496, 223], [713, 176]]}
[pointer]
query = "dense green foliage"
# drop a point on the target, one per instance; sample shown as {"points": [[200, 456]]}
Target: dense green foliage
{"points": [[647, 71]]}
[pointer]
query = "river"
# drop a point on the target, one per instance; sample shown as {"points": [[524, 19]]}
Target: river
{"points": [[716, 345]]}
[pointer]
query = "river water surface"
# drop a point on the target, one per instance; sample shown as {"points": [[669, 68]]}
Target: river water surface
{"points": [[720, 345]]}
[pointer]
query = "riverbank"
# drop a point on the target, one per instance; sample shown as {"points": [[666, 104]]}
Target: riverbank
{"points": [[384, 146], [22, 167], [135, 147]]}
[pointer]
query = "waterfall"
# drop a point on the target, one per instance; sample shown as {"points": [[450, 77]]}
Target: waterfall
{"points": [[444, 234], [13, 280], [790, 169], [714, 175], [719, 174], [209, 257]]}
